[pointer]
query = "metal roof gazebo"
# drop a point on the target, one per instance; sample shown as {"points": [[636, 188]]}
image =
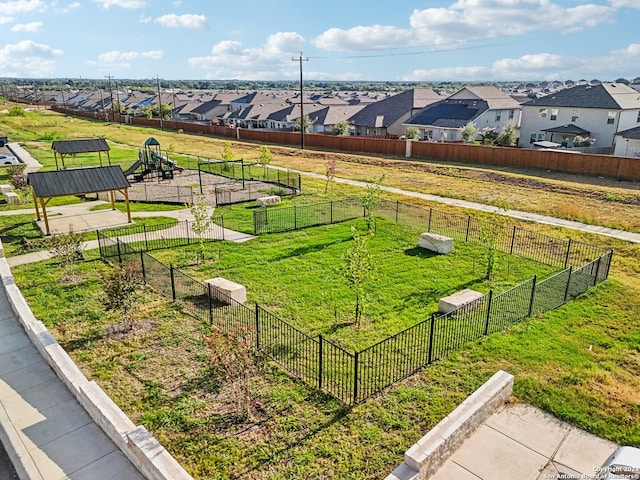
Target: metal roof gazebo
{"points": [[81, 181], [71, 147]]}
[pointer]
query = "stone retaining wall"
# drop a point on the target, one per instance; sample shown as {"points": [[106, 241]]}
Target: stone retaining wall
{"points": [[425, 457], [142, 449]]}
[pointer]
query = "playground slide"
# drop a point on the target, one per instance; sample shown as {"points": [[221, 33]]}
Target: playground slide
{"points": [[132, 168]]}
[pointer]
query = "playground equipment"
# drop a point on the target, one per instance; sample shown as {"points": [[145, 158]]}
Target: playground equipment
{"points": [[154, 163]]}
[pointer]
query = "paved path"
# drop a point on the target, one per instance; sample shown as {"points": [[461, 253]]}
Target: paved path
{"points": [[532, 217], [48, 434], [524, 443]]}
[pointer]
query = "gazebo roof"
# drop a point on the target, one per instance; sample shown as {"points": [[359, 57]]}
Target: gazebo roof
{"points": [[57, 183], [570, 129], [65, 147]]}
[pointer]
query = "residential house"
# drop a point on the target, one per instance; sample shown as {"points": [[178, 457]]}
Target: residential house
{"points": [[323, 119], [627, 143], [486, 106], [389, 115], [586, 111]]}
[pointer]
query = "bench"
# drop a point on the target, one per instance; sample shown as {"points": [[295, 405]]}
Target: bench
{"points": [[225, 290], [11, 197], [436, 243], [270, 200], [458, 299]]}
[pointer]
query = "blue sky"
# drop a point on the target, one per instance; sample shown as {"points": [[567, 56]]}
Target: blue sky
{"points": [[405, 40]]}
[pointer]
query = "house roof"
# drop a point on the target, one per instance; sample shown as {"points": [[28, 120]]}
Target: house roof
{"points": [[449, 113], [56, 183], [496, 99], [389, 110], [612, 96], [569, 129], [631, 134], [65, 147]]}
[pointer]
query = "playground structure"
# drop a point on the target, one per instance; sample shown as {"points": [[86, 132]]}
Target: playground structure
{"points": [[155, 164]]}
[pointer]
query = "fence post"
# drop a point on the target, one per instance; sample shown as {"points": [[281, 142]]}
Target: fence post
{"points": [[186, 225], [397, 209], [144, 273], [566, 291], [119, 254], [173, 284], [210, 304], [257, 320], [146, 241], [486, 323], [466, 239], [222, 224], [566, 258], [513, 240], [533, 294], [320, 359], [431, 329], [429, 224], [295, 216], [200, 177], [595, 277], [355, 378], [331, 211]]}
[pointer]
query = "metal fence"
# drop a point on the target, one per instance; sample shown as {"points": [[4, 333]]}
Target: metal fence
{"points": [[354, 377]]}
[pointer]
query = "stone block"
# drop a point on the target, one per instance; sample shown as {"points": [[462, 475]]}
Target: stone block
{"points": [[11, 198], [436, 243], [458, 299], [266, 201], [6, 189], [225, 290]]}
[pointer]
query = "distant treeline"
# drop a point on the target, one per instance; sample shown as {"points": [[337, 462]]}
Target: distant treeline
{"points": [[151, 85]]}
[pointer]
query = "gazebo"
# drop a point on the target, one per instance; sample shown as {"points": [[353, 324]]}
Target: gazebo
{"points": [[67, 147], [81, 181]]}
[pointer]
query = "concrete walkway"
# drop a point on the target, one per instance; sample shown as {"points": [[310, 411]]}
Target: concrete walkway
{"points": [[524, 443], [47, 433]]}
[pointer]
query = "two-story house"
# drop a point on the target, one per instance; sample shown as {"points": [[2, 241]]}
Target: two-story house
{"points": [[595, 112], [487, 107]]}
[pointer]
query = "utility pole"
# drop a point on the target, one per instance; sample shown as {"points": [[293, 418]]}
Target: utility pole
{"points": [[301, 59], [110, 96], [160, 103]]}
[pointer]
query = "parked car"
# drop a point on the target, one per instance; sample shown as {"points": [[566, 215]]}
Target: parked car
{"points": [[9, 160], [624, 463]]}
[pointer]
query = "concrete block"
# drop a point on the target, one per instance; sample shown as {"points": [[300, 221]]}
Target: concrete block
{"points": [[266, 201], [458, 299], [223, 290], [12, 198], [6, 189], [436, 243]]}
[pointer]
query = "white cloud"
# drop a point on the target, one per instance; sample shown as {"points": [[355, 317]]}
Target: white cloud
{"points": [[4, 20], [273, 60], [130, 4], [115, 57], [452, 73], [363, 38], [27, 27], [28, 59], [21, 6], [468, 20], [71, 6], [185, 21]]}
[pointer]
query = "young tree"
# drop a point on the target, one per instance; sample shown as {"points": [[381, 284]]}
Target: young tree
{"points": [[67, 248], [469, 132], [303, 122], [358, 270], [371, 200], [227, 153], [489, 234], [507, 137], [265, 155], [201, 221], [121, 290], [340, 128], [235, 364], [329, 172], [412, 133]]}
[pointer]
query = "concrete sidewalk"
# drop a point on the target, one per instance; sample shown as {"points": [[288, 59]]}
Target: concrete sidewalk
{"points": [[47, 433], [524, 443]]}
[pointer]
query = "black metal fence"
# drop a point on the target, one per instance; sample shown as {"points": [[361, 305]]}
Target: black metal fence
{"points": [[354, 377], [156, 237]]}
